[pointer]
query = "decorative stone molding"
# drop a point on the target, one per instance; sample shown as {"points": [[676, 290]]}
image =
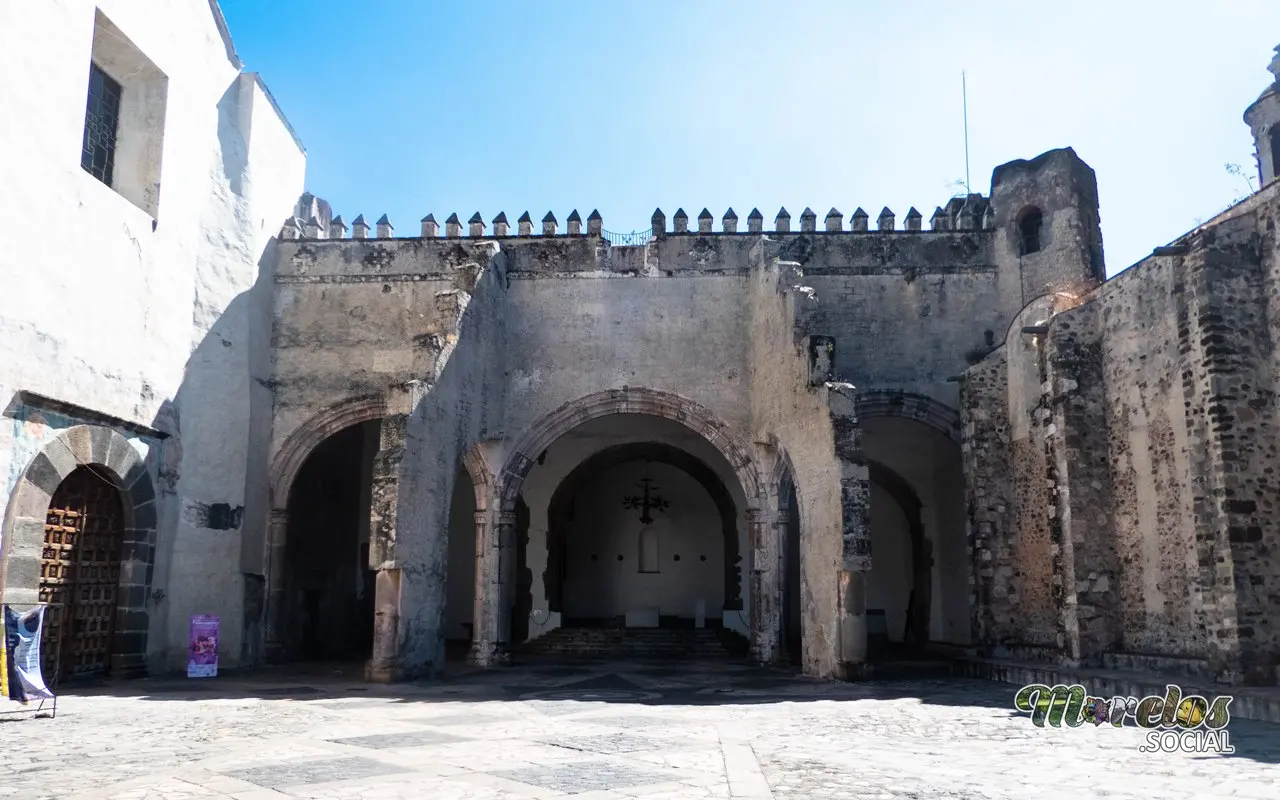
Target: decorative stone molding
{"points": [[908, 405], [630, 400], [308, 436], [481, 478]]}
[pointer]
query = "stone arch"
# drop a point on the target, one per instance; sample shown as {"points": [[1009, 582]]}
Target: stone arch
{"points": [[307, 437], [482, 479], [783, 469], [113, 458], [788, 578], [267, 595], [909, 405], [631, 400]]}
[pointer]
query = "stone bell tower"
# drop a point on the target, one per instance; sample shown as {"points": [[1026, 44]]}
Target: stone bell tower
{"points": [[1263, 118]]}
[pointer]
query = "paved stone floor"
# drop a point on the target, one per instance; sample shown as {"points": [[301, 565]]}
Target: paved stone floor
{"points": [[595, 732]]}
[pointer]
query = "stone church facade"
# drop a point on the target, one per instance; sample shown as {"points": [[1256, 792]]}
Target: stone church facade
{"points": [[832, 438]]}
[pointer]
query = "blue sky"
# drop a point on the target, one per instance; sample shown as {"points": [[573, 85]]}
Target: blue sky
{"points": [[414, 106]]}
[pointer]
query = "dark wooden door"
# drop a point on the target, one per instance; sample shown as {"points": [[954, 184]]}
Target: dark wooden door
{"points": [[80, 576]]}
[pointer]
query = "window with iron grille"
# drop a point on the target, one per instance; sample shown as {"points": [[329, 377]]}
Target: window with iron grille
{"points": [[100, 123]]}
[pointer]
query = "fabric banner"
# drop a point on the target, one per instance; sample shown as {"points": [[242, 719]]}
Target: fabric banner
{"points": [[202, 654], [20, 677]]}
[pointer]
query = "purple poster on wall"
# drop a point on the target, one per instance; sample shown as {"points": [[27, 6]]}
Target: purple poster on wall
{"points": [[202, 653]]}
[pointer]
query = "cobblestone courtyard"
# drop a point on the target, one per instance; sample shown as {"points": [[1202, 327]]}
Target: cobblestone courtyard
{"points": [[606, 731]]}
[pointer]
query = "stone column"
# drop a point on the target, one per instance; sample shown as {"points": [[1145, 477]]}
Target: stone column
{"points": [[855, 507], [507, 559], [495, 568], [766, 535], [384, 665], [274, 649]]}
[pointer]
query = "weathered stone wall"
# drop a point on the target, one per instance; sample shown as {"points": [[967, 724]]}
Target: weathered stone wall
{"points": [[724, 321], [585, 317], [989, 497], [421, 328], [790, 413], [1229, 378], [908, 310], [1086, 564], [1153, 428], [139, 308], [1144, 411]]}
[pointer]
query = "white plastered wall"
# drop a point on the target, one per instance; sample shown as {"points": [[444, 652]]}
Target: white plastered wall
{"points": [[128, 307], [603, 576]]}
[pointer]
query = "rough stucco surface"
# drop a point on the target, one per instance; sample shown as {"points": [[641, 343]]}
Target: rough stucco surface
{"points": [[152, 321]]}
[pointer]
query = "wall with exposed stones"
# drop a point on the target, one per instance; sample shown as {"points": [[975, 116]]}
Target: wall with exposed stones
{"points": [[1146, 411]]}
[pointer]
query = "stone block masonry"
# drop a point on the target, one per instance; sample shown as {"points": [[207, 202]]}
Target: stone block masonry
{"points": [[1156, 417]]}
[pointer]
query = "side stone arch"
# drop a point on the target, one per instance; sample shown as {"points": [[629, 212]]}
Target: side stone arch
{"points": [[113, 458], [284, 468], [909, 405], [482, 480], [307, 437]]}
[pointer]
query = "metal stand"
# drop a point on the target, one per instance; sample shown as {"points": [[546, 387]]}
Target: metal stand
{"points": [[57, 675]]}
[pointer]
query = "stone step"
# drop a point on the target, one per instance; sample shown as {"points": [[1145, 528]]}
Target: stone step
{"points": [[631, 643]]}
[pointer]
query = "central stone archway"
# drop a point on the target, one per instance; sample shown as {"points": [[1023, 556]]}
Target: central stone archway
{"points": [[493, 605]]}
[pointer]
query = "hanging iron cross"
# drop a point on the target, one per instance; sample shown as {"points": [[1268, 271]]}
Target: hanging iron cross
{"points": [[648, 500]]}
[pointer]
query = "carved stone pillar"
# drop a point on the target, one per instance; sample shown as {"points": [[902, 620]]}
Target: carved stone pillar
{"points": [[855, 515], [384, 665], [274, 649], [853, 622], [385, 492], [766, 585], [486, 643], [495, 578], [507, 588]]}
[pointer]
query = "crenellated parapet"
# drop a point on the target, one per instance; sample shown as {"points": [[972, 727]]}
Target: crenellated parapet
{"points": [[968, 213]]}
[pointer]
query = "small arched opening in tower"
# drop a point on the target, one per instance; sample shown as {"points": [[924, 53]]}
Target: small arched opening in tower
{"points": [[1030, 221], [1275, 151]]}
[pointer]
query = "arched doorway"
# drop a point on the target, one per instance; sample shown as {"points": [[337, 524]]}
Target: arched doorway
{"points": [[80, 576], [328, 587], [558, 443], [917, 591]]}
